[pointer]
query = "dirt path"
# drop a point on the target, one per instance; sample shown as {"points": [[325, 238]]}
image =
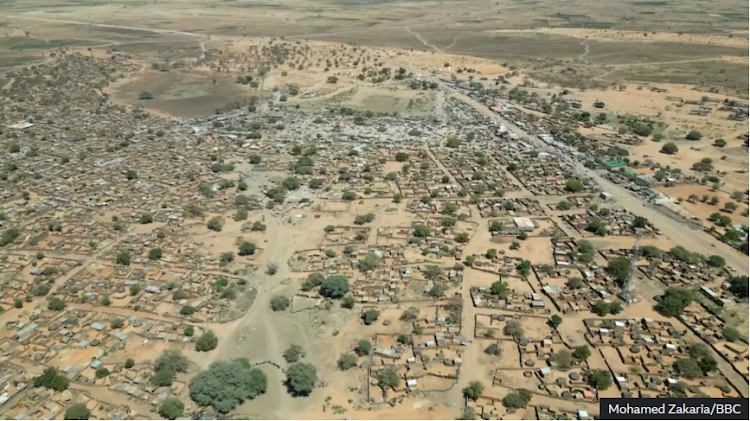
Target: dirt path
{"points": [[423, 40], [582, 57]]}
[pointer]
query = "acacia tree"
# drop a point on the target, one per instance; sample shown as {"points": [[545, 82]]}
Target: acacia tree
{"points": [[301, 379], [224, 385]]}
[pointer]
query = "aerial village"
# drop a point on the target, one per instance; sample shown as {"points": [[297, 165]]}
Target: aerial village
{"points": [[476, 251]]}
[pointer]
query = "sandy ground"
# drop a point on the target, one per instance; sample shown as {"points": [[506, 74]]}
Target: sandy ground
{"points": [[262, 334]]}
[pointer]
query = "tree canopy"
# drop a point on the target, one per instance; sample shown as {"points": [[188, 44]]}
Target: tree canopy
{"points": [[301, 379], [224, 385], [335, 286]]}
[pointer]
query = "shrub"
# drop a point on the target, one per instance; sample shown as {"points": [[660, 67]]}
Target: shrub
{"points": [[225, 385], [56, 304], [346, 361], [129, 363], [694, 135], [347, 302], [207, 342], [293, 353], [563, 205], [669, 148], [493, 349], [214, 225], [279, 303], [731, 334]]}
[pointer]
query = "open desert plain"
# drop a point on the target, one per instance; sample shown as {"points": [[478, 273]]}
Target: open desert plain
{"points": [[370, 209]]}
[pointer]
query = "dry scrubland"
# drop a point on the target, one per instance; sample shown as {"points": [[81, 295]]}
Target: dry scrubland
{"points": [[348, 185]]}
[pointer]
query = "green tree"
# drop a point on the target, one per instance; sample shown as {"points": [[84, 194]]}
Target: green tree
{"points": [[555, 320], [716, 261], [563, 205], [77, 411], [172, 408], [562, 358], [102, 373], [582, 352], [246, 249], [56, 304], [370, 262], [389, 377], [708, 364], [172, 360], [301, 379], [162, 378], [499, 289], [601, 308], [524, 268], [474, 390], [574, 185], [599, 379], [370, 316], [688, 368], [364, 347], [421, 231], [335, 286], [674, 301], [619, 269], [225, 385], [514, 329], [123, 258], [207, 342], [155, 253], [52, 379]]}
